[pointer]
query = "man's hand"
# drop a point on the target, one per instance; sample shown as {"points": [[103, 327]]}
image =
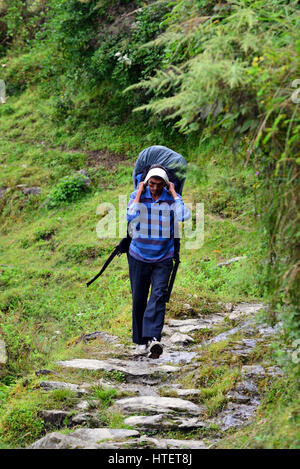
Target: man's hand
{"points": [[141, 190], [142, 187], [172, 190]]}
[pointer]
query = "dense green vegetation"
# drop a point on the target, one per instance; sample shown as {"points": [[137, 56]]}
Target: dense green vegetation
{"points": [[91, 83]]}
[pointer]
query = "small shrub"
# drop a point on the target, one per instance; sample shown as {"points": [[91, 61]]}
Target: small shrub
{"points": [[106, 395], [69, 189]]}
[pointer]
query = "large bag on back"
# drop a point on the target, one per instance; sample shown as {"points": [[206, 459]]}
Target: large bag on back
{"points": [[173, 162]]}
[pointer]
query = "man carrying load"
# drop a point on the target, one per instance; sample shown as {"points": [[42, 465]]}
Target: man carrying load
{"points": [[153, 212]]}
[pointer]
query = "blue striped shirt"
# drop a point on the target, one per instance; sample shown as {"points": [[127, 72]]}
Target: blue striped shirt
{"points": [[154, 225]]}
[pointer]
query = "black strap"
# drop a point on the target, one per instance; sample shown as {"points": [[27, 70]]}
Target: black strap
{"points": [[115, 252], [122, 247], [175, 267]]}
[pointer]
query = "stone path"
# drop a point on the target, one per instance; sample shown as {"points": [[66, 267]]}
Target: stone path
{"points": [[154, 401]]}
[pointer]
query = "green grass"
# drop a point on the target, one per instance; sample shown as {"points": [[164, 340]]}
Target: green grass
{"points": [[48, 254]]}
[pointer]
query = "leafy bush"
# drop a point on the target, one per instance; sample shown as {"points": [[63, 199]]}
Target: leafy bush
{"points": [[78, 253], [69, 189]]}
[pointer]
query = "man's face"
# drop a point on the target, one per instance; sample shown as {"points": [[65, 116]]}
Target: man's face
{"points": [[156, 185]]}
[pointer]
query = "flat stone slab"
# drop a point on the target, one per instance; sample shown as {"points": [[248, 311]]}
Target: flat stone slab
{"points": [[172, 356], [164, 443], [160, 421], [85, 438], [138, 389], [185, 326], [157, 405], [131, 369], [56, 440], [53, 385], [188, 392]]}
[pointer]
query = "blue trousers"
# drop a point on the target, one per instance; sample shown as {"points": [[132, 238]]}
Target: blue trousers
{"points": [[148, 316]]}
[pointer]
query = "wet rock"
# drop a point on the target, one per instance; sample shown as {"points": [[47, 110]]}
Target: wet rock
{"points": [[157, 405], [130, 369]]}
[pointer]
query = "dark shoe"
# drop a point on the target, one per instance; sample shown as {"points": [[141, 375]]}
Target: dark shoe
{"points": [[155, 349]]}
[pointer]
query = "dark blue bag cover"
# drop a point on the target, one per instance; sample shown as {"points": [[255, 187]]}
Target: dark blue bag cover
{"points": [[173, 162]]}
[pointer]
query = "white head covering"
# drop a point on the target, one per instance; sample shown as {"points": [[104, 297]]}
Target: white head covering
{"points": [[159, 172]]}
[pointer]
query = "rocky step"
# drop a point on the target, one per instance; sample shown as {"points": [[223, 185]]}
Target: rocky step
{"points": [[158, 405], [132, 388], [105, 438], [164, 422], [132, 370], [146, 442], [186, 326], [61, 418]]}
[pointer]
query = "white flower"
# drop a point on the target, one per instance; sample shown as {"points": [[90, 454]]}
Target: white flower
{"points": [[127, 60]]}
